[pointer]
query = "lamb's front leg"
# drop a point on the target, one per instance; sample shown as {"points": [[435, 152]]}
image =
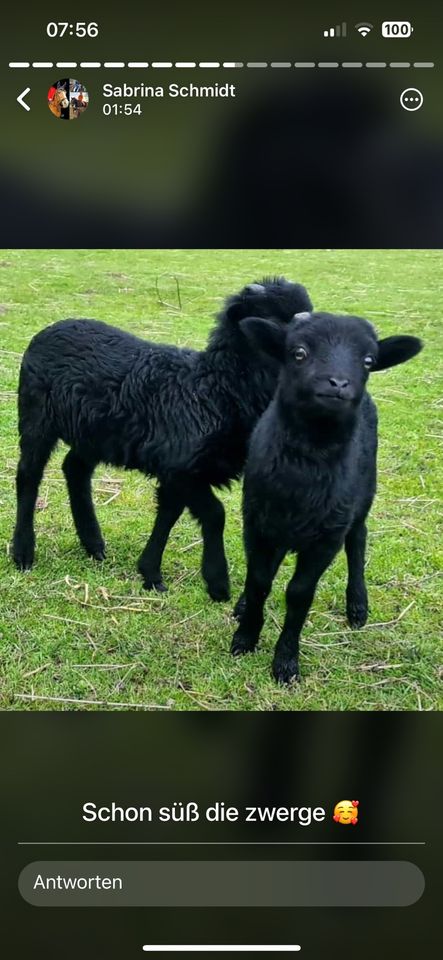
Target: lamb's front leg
{"points": [[356, 592], [263, 563], [299, 596]]}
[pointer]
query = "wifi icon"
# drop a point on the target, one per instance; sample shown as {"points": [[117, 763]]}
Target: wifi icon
{"points": [[364, 28]]}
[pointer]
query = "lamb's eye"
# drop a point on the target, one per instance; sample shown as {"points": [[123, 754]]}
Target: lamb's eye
{"points": [[300, 354], [368, 361]]}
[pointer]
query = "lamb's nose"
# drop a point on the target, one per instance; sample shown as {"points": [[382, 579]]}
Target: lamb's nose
{"points": [[340, 384]]}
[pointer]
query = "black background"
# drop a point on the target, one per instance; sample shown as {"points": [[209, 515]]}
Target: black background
{"points": [[53, 764], [300, 158]]}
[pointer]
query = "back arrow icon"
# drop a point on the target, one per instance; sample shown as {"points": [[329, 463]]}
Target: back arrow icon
{"points": [[21, 99]]}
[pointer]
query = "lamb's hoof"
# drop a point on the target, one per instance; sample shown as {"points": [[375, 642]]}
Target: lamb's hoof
{"points": [[241, 644], [158, 585], [23, 555], [285, 670], [219, 592], [97, 553], [357, 615], [239, 608]]}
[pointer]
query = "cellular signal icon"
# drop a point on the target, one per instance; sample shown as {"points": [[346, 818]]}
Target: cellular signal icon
{"points": [[339, 31]]}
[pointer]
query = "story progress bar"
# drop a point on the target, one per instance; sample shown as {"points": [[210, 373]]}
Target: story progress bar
{"points": [[208, 65]]}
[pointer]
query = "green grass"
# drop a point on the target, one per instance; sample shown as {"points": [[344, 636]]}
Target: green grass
{"points": [[78, 631]]}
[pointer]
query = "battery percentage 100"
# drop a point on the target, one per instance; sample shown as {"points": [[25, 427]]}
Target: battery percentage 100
{"points": [[396, 28]]}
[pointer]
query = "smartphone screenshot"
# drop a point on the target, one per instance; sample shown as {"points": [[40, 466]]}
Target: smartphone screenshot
{"points": [[221, 301]]}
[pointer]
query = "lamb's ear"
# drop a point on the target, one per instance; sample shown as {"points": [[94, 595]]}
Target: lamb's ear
{"points": [[394, 350], [265, 335]]}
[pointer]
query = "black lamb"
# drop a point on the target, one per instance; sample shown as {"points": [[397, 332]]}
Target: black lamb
{"points": [[180, 415], [310, 476]]}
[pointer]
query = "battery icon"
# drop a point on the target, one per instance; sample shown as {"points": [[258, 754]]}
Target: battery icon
{"points": [[396, 28]]}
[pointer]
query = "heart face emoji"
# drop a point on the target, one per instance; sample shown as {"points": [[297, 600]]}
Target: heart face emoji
{"points": [[346, 811]]}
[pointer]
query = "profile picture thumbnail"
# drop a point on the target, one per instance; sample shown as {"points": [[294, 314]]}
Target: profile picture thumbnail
{"points": [[68, 99]]}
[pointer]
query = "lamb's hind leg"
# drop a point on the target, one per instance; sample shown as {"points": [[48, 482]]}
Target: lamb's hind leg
{"points": [[170, 506], [34, 455], [210, 513], [78, 475]]}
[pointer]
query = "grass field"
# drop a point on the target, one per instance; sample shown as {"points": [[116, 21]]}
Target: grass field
{"points": [[77, 635]]}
